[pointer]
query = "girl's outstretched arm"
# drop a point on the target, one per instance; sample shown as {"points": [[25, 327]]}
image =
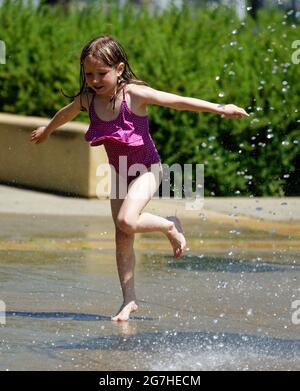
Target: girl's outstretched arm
{"points": [[64, 115], [148, 95]]}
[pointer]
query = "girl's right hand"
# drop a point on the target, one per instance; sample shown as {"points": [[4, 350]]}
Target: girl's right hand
{"points": [[39, 135]]}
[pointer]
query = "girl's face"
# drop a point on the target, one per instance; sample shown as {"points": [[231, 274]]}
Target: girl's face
{"points": [[100, 77]]}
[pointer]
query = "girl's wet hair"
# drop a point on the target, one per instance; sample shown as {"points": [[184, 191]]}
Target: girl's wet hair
{"points": [[111, 53]]}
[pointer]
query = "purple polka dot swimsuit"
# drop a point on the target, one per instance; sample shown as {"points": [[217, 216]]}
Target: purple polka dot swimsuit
{"points": [[127, 135]]}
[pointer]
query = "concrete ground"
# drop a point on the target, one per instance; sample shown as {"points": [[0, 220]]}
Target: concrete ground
{"points": [[267, 222], [24, 201], [226, 305]]}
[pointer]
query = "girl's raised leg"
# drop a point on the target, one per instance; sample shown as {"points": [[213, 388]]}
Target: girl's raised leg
{"points": [[131, 219]]}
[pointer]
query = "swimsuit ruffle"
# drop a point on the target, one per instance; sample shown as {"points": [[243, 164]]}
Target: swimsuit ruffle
{"points": [[121, 135]]}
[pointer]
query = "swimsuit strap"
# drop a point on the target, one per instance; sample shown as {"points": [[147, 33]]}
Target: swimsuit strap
{"points": [[91, 105], [123, 89], [82, 108]]}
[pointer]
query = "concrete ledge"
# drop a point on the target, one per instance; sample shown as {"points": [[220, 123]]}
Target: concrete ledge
{"points": [[65, 163]]}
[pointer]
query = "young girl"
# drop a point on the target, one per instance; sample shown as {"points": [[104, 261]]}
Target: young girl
{"points": [[116, 102]]}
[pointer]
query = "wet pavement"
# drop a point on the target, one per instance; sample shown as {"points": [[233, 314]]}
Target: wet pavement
{"points": [[226, 305]]}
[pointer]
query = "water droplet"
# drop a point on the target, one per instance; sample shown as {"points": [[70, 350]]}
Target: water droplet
{"points": [[233, 43], [217, 78], [234, 32], [221, 94], [286, 176], [285, 143]]}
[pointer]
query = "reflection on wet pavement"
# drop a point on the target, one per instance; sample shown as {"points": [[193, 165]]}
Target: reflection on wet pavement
{"points": [[217, 308]]}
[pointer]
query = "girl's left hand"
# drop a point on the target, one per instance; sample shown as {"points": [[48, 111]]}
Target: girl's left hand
{"points": [[232, 111]]}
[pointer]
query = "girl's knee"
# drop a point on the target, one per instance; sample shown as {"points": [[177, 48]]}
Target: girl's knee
{"points": [[126, 225]]}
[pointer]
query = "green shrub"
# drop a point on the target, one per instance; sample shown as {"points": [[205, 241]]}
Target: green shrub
{"points": [[201, 53]]}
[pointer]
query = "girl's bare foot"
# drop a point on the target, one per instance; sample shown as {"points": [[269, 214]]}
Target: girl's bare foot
{"points": [[176, 237], [125, 310]]}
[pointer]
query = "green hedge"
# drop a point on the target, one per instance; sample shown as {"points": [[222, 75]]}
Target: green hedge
{"points": [[202, 53]]}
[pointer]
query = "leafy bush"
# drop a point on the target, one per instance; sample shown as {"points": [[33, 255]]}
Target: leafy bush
{"points": [[203, 53]]}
